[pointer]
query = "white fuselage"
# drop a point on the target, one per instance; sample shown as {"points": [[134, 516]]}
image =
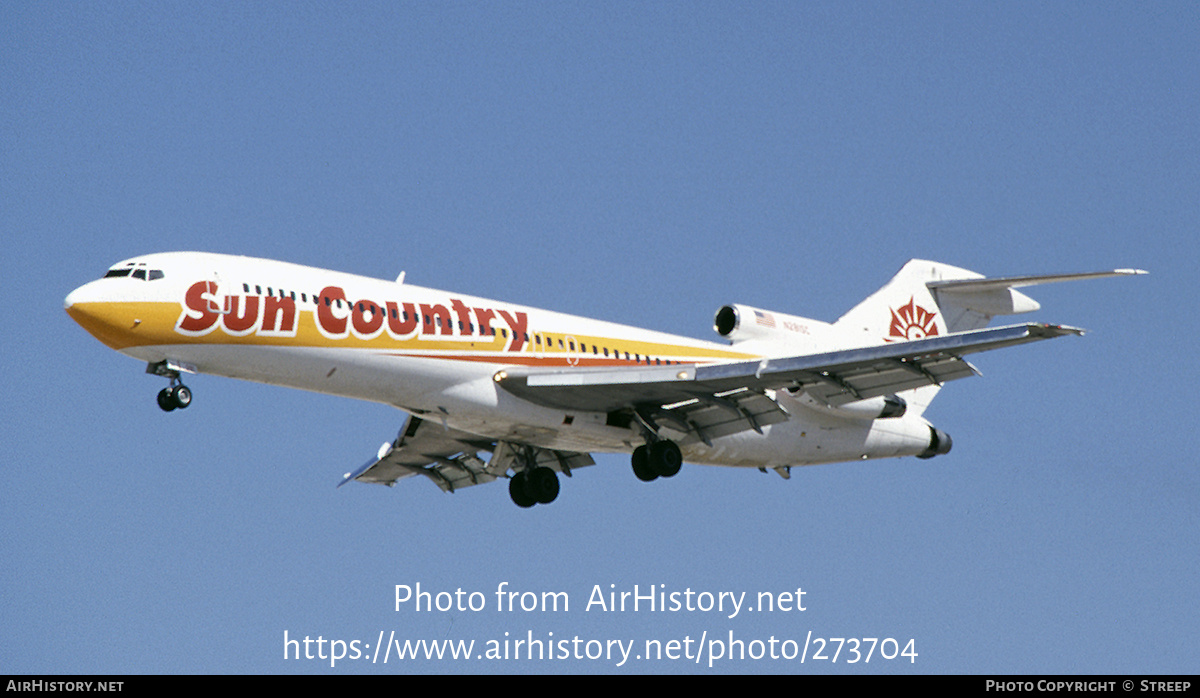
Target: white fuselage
{"points": [[431, 353]]}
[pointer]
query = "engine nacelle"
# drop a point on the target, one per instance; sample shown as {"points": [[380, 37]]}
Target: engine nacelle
{"points": [[939, 444], [882, 407], [743, 323]]}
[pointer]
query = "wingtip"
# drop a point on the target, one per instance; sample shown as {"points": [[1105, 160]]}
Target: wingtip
{"points": [[1060, 330], [1131, 272]]}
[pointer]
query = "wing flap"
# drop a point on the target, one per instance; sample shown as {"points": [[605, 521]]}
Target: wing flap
{"points": [[885, 378], [716, 415], [838, 377], [450, 458]]}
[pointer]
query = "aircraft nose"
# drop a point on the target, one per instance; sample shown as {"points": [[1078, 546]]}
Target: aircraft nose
{"points": [[75, 297], [99, 315]]}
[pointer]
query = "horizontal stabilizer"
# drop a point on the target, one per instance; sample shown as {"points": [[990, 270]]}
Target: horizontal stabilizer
{"points": [[998, 296], [976, 285]]}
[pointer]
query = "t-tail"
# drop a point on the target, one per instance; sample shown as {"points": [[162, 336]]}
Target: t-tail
{"points": [[927, 299]]}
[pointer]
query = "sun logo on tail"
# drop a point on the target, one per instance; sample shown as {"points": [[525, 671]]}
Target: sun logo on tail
{"points": [[911, 322]]}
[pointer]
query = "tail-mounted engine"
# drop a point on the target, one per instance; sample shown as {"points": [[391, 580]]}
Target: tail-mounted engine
{"points": [[939, 444], [741, 323], [881, 407]]}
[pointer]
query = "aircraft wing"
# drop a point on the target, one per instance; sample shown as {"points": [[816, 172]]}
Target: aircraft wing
{"points": [[450, 458], [717, 399]]}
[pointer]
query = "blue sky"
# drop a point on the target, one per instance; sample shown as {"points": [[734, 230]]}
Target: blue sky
{"points": [[638, 162]]}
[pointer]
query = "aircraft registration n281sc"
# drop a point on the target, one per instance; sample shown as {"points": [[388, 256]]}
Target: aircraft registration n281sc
{"points": [[536, 392]]}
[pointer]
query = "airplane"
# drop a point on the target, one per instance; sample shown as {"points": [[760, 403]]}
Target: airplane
{"points": [[537, 392]]}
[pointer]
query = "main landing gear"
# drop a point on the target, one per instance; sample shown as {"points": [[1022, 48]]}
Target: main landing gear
{"points": [[658, 459], [533, 486]]}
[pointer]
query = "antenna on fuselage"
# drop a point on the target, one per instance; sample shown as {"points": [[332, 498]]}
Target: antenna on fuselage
{"points": [[400, 279]]}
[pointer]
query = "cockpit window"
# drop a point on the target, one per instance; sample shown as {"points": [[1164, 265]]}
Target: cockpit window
{"points": [[137, 270]]}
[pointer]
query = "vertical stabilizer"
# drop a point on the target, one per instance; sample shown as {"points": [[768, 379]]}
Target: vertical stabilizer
{"points": [[907, 308]]}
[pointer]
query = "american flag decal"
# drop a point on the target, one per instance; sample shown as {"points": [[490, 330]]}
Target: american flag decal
{"points": [[764, 319]]}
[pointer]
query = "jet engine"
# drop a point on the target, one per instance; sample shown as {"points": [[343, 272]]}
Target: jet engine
{"points": [[743, 323], [881, 407], [939, 444], [771, 333]]}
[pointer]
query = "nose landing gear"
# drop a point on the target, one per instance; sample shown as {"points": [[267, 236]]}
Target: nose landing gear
{"points": [[177, 395]]}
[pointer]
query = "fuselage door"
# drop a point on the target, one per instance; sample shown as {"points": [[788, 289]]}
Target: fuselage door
{"points": [[217, 298], [572, 349]]}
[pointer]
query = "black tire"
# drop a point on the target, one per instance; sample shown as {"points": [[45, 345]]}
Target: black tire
{"points": [[181, 395], [641, 464], [542, 485], [165, 402], [518, 491], [665, 458]]}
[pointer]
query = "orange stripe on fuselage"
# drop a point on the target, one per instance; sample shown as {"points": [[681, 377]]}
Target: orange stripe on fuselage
{"points": [[526, 360]]}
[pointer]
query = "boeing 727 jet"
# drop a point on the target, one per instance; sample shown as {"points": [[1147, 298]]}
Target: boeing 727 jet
{"points": [[495, 390]]}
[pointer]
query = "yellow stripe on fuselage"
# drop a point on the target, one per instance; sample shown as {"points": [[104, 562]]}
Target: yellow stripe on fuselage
{"points": [[125, 325]]}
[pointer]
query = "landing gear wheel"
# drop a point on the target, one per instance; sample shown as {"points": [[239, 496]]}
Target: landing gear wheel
{"points": [[665, 458], [641, 464], [518, 491], [174, 397], [181, 395], [542, 485]]}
